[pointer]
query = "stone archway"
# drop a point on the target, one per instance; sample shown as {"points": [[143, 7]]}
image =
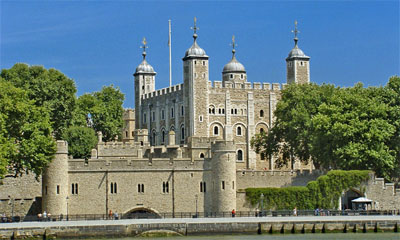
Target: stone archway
{"points": [[142, 212], [346, 198]]}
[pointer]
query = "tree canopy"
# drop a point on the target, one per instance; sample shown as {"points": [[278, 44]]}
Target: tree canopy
{"points": [[26, 143], [81, 140], [336, 128], [50, 89]]}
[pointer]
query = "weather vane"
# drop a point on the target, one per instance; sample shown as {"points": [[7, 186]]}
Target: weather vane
{"points": [[195, 28], [144, 46], [295, 31], [233, 42]]}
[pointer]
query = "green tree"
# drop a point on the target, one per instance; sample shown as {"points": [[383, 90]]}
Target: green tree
{"points": [[50, 89], [102, 111], [26, 144], [80, 141], [338, 128]]}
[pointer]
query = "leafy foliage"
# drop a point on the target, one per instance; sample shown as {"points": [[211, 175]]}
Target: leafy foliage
{"points": [[336, 128], [50, 89], [80, 141], [322, 193], [26, 143], [102, 111]]}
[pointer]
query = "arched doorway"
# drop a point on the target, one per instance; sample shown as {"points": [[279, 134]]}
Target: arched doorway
{"points": [[351, 194], [141, 213]]}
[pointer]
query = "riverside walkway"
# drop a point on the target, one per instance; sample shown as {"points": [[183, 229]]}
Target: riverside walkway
{"points": [[200, 226]]}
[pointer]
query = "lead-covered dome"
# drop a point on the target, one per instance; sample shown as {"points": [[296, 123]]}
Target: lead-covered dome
{"points": [[195, 50], [296, 52], [234, 65], [144, 66]]}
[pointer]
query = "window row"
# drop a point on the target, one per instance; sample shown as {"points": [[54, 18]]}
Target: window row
{"points": [[163, 115], [239, 131], [162, 136]]}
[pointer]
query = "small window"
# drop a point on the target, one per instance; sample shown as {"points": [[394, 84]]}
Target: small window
{"points": [[58, 189], [182, 110], [301, 63], [232, 111], [201, 118], [195, 62], [235, 111], [163, 136], [154, 116], [162, 114], [183, 133], [223, 185], [239, 131], [239, 155], [216, 130], [144, 117], [165, 187], [142, 87], [231, 76], [262, 156], [219, 111], [223, 111], [126, 134], [241, 76], [201, 155], [172, 113], [233, 184], [140, 188], [261, 113], [141, 143], [204, 63], [133, 133], [113, 187], [203, 187], [74, 188], [261, 130]]}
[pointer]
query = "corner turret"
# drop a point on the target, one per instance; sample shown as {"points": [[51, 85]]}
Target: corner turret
{"points": [[234, 71]]}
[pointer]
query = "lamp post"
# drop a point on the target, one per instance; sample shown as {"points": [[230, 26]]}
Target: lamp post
{"points": [[67, 198], [262, 203], [196, 197], [12, 206]]}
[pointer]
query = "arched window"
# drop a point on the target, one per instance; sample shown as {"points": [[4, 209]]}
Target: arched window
{"points": [[154, 138], [261, 113], [261, 130], [182, 110], [240, 155], [126, 134], [219, 110], [235, 111], [216, 130], [239, 131], [182, 132], [213, 111], [163, 136], [201, 155]]}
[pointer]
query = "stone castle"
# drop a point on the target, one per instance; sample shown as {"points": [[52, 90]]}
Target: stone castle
{"points": [[185, 148]]}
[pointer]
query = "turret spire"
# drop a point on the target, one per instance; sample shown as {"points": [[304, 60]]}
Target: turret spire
{"points": [[295, 31], [194, 28], [144, 48]]}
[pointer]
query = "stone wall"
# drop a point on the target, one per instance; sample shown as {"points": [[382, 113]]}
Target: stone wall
{"points": [[384, 195]]}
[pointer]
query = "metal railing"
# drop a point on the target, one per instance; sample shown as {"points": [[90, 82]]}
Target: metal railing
{"points": [[149, 215]]}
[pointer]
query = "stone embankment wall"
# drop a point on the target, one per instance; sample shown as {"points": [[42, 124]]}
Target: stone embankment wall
{"points": [[128, 228], [384, 195]]}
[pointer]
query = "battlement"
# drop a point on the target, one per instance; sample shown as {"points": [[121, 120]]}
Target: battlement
{"points": [[200, 142], [62, 147], [247, 85], [129, 114], [163, 91], [223, 145]]}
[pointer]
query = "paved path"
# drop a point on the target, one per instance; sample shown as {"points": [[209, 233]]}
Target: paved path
{"points": [[300, 219]]}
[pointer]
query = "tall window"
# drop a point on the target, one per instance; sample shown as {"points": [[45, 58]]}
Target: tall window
{"points": [[162, 114], [172, 113], [240, 155], [113, 187], [223, 185], [182, 110], [239, 131], [58, 189], [165, 187], [216, 130], [140, 188], [154, 116], [203, 187], [74, 188], [163, 136], [144, 117], [261, 113], [182, 132]]}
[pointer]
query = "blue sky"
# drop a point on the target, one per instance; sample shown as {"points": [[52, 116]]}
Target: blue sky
{"points": [[96, 43]]}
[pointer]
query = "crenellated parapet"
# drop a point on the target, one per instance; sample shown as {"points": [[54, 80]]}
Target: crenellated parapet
{"points": [[163, 91], [247, 86]]}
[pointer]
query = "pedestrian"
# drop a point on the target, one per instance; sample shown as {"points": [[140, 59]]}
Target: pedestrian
{"points": [[49, 216], [116, 216], [110, 214], [44, 216], [295, 211], [39, 217], [233, 213]]}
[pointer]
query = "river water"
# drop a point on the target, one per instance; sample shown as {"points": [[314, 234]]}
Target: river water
{"points": [[308, 236]]}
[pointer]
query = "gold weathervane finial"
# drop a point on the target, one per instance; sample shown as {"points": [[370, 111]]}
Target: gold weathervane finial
{"points": [[195, 28], [144, 47], [295, 31]]}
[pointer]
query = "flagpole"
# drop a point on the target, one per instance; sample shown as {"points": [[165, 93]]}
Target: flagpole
{"points": [[169, 44]]}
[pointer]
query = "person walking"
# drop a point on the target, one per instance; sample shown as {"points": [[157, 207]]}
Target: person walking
{"points": [[233, 213]]}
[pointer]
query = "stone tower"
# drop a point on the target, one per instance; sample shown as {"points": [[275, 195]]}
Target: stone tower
{"points": [[129, 125], [195, 77], [55, 182], [144, 83], [224, 175], [297, 64]]}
